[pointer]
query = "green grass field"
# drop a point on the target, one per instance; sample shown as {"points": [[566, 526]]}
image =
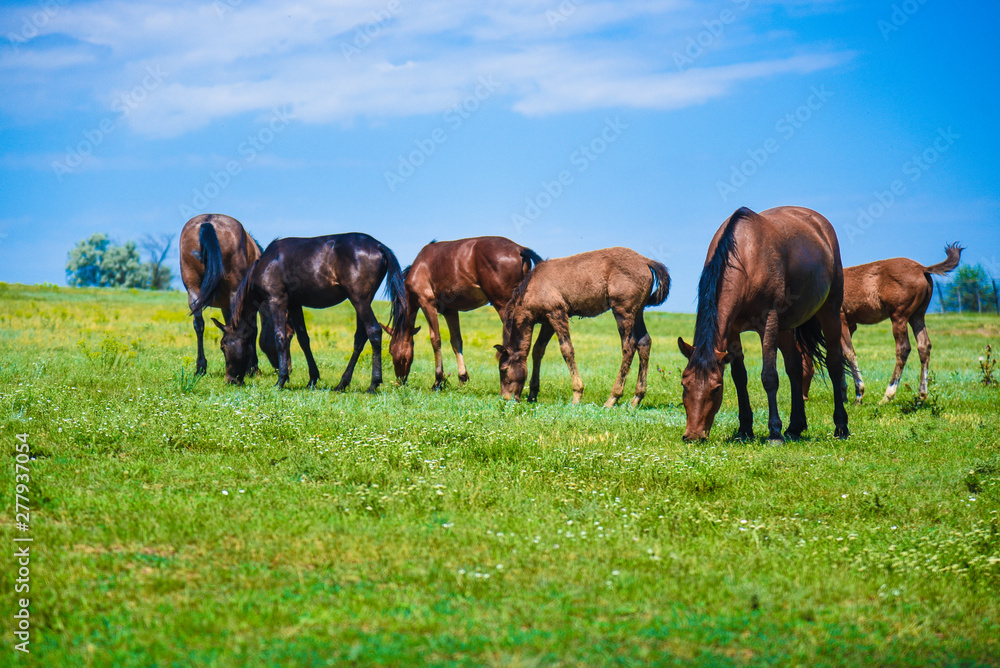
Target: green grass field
{"points": [[185, 522]]}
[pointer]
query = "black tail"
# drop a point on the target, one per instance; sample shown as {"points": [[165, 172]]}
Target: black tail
{"points": [[812, 343], [394, 286], [529, 258], [661, 284], [954, 252], [211, 256]]}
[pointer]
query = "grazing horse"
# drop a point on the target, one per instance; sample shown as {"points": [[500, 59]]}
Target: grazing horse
{"points": [[899, 289], [777, 273], [584, 285], [215, 254], [452, 276], [320, 272]]}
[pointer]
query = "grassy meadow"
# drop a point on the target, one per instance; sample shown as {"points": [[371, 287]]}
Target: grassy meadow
{"points": [[180, 521]]}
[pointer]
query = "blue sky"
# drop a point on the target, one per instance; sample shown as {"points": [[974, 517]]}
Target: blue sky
{"points": [[567, 125]]}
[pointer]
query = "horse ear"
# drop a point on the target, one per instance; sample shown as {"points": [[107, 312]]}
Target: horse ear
{"points": [[219, 324], [723, 357], [499, 348], [686, 350], [416, 329], [388, 329]]}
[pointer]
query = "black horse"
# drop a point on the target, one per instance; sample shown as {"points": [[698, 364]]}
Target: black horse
{"points": [[316, 273]]}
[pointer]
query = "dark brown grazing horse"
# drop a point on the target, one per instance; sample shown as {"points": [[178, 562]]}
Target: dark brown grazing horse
{"points": [[215, 254], [452, 276], [584, 285], [777, 273], [319, 272], [899, 289]]}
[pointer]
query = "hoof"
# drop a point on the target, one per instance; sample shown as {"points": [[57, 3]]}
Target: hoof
{"points": [[372, 390], [439, 384], [775, 441], [793, 435], [841, 432], [340, 387], [740, 435], [463, 378], [201, 369], [610, 403], [857, 399], [636, 401]]}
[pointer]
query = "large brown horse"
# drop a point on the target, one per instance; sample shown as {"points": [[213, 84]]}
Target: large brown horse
{"points": [[452, 276], [216, 253], [777, 273], [899, 289], [319, 272], [583, 285]]}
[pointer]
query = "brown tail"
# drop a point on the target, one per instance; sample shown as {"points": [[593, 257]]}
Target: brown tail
{"points": [[954, 252]]}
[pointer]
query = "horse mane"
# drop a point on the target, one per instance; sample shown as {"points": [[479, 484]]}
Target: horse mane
{"points": [[707, 322], [516, 299], [242, 298], [254, 239]]}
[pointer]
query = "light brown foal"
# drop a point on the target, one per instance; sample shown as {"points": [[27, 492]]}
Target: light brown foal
{"points": [[900, 290]]}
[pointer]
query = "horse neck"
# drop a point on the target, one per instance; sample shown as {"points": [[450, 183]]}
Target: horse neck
{"points": [[517, 337]]}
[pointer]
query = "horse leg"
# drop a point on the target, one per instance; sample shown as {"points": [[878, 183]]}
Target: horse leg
{"points": [[254, 367], [808, 371], [545, 333], [643, 343], [360, 336], [431, 313], [923, 349], [560, 323], [792, 355], [832, 327], [298, 322], [769, 375], [738, 370], [201, 366], [367, 319], [902, 352], [283, 341], [846, 337], [455, 329], [626, 323]]}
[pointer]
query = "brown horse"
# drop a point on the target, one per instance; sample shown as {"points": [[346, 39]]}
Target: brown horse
{"points": [[899, 289], [216, 253], [777, 273], [452, 276], [315, 273], [583, 285]]}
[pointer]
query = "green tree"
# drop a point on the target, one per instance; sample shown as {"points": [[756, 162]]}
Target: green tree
{"points": [[970, 290], [96, 261]]}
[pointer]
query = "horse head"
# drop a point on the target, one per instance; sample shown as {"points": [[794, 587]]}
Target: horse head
{"points": [[702, 383], [237, 347], [401, 349]]}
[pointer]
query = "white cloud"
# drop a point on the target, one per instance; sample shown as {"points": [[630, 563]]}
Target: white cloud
{"points": [[335, 62]]}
